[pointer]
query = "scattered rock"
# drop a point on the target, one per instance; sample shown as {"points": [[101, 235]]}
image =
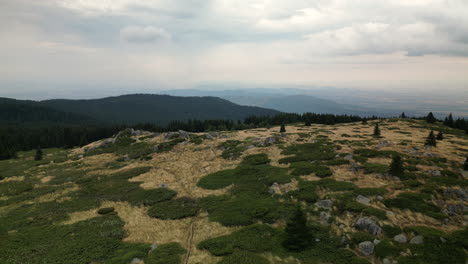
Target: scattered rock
{"points": [[363, 200], [431, 155], [369, 225], [418, 240], [348, 157], [379, 197], [434, 172], [171, 135], [376, 241], [456, 209], [355, 167], [325, 218], [136, 261], [443, 240], [153, 247], [164, 185], [366, 248], [325, 204], [283, 134], [384, 143], [401, 238], [317, 240], [461, 194], [184, 134]]}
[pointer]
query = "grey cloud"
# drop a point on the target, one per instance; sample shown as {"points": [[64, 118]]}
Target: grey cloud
{"points": [[144, 34]]}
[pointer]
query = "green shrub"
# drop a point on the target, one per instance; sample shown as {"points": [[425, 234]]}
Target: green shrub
{"points": [[337, 162], [11, 188], [320, 150], [375, 168], [411, 184], [387, 248], [391, 231], [127, 252], [360, 159], [257, 159], [415, 202], [174, 209], [359, 237], [150, 197], [370, 191], [334, 185], [170, 253], [305, 168], [255, 238], [375, 212], [168, 146], [106, 210], [243, 257], [232, 149]]}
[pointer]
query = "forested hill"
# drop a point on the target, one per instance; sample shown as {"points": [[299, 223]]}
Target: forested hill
{"points": [[125, 109], [159, 109], [21, 112]]}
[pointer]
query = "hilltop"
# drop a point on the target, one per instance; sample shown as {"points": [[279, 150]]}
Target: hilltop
{"points": [[226, 197]]}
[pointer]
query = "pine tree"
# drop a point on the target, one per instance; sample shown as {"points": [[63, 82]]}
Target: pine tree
{"points": [[84, 140], [396, 167], [440, 136], [307, 123], [430, 118], [403, 115], [465, 165], [298, 235], [38, 155], [364, 121], [377, 130], [431, 140], [449, 121], [282, 129]]}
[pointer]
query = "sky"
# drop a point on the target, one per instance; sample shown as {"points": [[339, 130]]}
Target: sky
{"points": [[86, 48]]}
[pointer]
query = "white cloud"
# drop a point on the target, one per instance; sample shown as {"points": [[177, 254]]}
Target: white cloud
{"points": [[144, 34]]}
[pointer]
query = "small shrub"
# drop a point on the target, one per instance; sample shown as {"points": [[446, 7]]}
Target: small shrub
{"points": [[391, 231], [375, 168], [174, 209], [105, 210], [150, 197], [415, 202], [359, 237], [369, 191], [387, 248], [170, 253]]}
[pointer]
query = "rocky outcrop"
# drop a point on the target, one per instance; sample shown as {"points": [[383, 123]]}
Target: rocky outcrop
{"points": [[366, 248], [369, 225]]}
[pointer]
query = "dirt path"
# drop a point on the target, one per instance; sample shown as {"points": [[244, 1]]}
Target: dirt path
{"points": [[189, 240]]}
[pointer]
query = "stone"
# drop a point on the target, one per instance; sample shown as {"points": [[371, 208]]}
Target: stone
{"points": [[376, 241], [417, 240], [443, 240], [369, 225], [269, 141], [386, 261], [384, 143], [136, 261], [348, 157], [171, 135], [362, 200], [456, 209], [434, 172], [379, 197], [325, 204], [317, 240], [432, 155], [325, 218], [153, 247], [184, 134], [401, 238], [366, 248], [136, 133], [283, 134], [163, 185], [355, 167], [461, 194]]}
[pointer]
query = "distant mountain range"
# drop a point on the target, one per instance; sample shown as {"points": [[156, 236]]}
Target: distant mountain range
{"points": [[284, 101], [126, 109]]}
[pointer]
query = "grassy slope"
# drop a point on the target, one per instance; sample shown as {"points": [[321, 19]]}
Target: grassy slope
{"points": [[53, 203]]}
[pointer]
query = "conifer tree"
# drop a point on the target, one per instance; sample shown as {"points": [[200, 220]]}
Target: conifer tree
{"points": [[431, 139], [377, 130], [282, 129], [396, 167], [298, 235], [449, 121], [465, 165], [84, 140], [440, 136], [403, 115], [307, 123], [364, 121], [430, 118], [38, 155]]}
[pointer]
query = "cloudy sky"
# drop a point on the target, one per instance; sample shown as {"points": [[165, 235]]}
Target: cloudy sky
{"points": [[63, 47]]}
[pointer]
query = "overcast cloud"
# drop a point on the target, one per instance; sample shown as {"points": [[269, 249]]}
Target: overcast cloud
{"points": [[54, 45]]}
